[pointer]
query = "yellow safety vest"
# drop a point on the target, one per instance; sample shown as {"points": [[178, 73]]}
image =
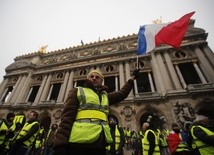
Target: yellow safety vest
{"points": [[203, 148], [128, 133], [2, 128], [182, 146], [24, 132], [91, 118], [117, 139], [163, 138], [145, 143], [141, 134], [39, 140], [46, 139], [17, 119]]}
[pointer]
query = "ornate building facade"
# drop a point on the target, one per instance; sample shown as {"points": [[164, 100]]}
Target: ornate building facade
{"points": [[170, 85]]}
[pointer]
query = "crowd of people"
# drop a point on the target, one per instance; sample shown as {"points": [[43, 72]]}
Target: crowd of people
{"points": [[87, 128], [20, 137], [193, 138]]}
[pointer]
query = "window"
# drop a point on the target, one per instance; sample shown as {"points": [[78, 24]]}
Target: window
{"points": [[110, 82], [55, 91], [7, 94], [32, 94], [189, 73], [144, 84]]}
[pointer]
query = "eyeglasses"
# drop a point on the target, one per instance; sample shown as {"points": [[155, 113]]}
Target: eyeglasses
{"points": [[94, 76]]}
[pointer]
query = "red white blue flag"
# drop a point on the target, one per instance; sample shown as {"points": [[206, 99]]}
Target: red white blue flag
{"points": [[150, 36]]}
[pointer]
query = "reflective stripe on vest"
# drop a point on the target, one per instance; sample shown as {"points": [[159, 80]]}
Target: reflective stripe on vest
{"points": [[181, 146], [145, 143], [39, 139], [128, 133], [24, 132], [47, 137], [92, 100], [117, 139], [92, 114], [204, 149]]}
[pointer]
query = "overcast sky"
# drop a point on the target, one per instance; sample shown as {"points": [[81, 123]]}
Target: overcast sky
{"points": [[26, 25]]}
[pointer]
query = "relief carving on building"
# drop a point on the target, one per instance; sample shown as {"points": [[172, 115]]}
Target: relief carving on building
{"points": [[128, 112], [57, 114], [96, 51], [184, 54], [184, 112], [59, 58]]}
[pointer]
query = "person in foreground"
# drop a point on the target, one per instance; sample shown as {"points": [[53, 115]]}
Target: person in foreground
{"points": [[202, 129], [84, 127], [25, 138]]}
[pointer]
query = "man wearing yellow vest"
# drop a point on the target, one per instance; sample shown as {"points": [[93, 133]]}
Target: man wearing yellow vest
{"points": [[84, 127], [202, 130], [150, 141], [49, 140], [25, 138], [116, 147], [5, 125]]}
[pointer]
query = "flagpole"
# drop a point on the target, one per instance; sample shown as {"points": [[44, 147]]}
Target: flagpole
{"points": [[137, 62]]}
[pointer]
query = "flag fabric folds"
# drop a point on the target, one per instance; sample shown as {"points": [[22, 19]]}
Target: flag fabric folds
{"points": [[153, 35]]}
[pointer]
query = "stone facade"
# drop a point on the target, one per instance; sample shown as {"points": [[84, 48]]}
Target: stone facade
{"points": [[171, 82]]}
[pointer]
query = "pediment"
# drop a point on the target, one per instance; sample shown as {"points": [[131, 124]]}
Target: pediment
{"points": [[19, 64]]}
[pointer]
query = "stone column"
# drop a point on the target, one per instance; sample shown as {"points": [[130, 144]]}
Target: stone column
{"points": [[209, 55], [151, 82], [3, 95], [3, 86], [121, 75], [203, 80], [49, 93], [75, 83], [63, 88], [205, 65], [14, 89], [31, 89], [70, 83], [128, 76], [116, 83], [157, 75], [18, 90], [46, 89], [167, 81], [180, 77], [136, 89], [39, 94], [172, 71], [24, 89]]}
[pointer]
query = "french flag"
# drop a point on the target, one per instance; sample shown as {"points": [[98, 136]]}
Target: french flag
{"points": [[150, 36]]}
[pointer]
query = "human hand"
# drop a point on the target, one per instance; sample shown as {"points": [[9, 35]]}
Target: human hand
{"points": [[135, 73]]}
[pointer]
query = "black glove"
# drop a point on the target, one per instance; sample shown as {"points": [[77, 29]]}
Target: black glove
{"points": [[136, 73], [60, 150]]}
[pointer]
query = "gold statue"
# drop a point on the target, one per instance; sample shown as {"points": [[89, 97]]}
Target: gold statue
{"points": [[43, 49], [157, 21]]}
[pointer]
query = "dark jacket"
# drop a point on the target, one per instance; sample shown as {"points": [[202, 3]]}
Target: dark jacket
{"points": [[201, 134], [122, 139], [72, 105]]}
